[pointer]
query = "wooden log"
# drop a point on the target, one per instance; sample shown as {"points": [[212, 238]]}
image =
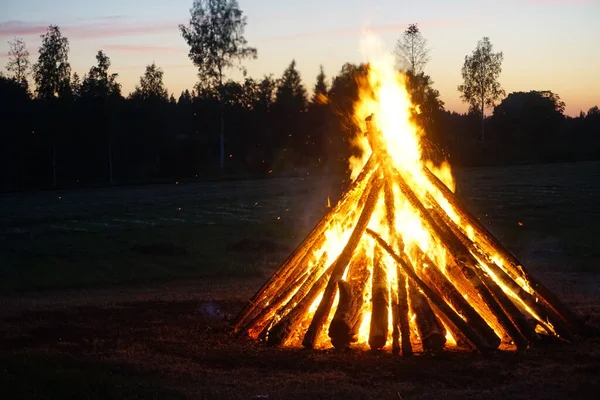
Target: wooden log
{"points": [[390, 213], [469, 270], [281, 310], [514, 267], [468, 265], [395, 322], [380, 301], [528, 300], [282, 330], [437, 280], [452, 318], [346, 202], [343, 328], [269, 312], [526, 329], [431, 331], [403, 316], [521, 332], [322, 312]]}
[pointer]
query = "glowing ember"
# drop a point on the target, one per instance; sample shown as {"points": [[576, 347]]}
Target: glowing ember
{"points": [[398, 263]]}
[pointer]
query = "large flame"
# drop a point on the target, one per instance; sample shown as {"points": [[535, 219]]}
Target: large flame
{"points": [[398, 141]]}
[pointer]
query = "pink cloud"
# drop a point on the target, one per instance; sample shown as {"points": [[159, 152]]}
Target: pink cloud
{"points": [[103, 18], [163, 67], [21, 28], [101, 27], [142, 48], [353, 31]]}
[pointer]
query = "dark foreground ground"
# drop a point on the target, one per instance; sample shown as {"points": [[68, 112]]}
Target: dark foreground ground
{"points": [[86, 312]]}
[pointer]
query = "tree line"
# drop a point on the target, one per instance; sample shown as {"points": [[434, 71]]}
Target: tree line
{"points": [[69, 129]]}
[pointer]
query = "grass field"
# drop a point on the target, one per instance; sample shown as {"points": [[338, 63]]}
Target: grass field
{"points": [[127, 292]]}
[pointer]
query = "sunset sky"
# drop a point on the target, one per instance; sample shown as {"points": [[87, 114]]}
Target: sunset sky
{"points": [[547, 44]]}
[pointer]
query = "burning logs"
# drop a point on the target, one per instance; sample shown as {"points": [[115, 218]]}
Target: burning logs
{"points": [[380, 301], [425, 265], [544, 317], [452, 317], [283, 330], [344, 326], [347, 201], [324, 308], [444, 288], [514, 267], [431, 331], [403, 317]]}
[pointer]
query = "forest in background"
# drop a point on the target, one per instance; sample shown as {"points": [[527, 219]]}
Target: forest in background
{"points": [[66, 130]]}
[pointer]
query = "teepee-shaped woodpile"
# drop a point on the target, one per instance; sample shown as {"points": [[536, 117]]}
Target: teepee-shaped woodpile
{"points": [[398, 263]]}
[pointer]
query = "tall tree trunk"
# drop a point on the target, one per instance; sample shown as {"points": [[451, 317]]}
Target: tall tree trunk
{"points": [[482, 118], [110, 164], [54, 163], [222, 112]]}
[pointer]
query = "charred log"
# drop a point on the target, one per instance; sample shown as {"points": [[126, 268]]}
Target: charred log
{"points": [[343, 328], [451, 316], [380, 303], [514, 268], [324, 308], [431, 331], [437, 280], [403, 317], [346, 202], [282, 331], [300, 293]]}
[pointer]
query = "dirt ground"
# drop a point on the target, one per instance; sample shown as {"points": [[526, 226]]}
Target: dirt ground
{"points": [[173, 341], [129, 292]]}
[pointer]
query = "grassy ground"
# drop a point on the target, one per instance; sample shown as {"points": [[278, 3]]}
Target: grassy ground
{"points": [[53, 240], [128, 292]]}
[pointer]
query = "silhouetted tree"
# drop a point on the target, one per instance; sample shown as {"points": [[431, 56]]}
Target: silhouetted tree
{"points": [[18, 62], [16, 131], [291, 94], [149, 101], [98, 83], [76, 86], [480, 73], [290, 102], [527, 124], [216, 38], [52, 72], [101, 90], [151, 86], [266, 93], [320, 90], [52, 75], [342, 96], [319, 117], [411, 50], [185, 98], [428, 112]]}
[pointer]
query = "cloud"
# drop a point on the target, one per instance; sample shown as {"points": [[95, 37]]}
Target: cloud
{"points": [[355, 30], [163, 67], [92, 28], [103, 18], [143, 48], [21, 28]]}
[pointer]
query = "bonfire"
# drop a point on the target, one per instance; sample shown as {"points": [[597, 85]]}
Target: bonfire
{"points": [[398, 263]]}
